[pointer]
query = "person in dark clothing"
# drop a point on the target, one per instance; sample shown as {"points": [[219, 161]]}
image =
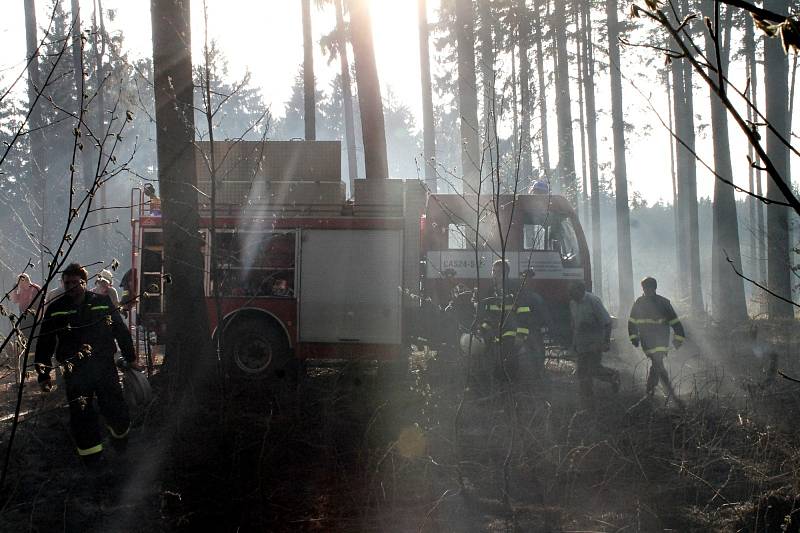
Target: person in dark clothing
{"points": [[128, 296], [83, 329], [533, 314], [502, 321], [651, 318]]}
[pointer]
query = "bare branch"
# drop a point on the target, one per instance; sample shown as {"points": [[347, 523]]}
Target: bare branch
{"points": [[785, 376], [756, 11], [757, 284]]}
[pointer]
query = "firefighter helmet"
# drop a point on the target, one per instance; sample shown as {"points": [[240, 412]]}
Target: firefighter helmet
{"points": [[540, 187]]}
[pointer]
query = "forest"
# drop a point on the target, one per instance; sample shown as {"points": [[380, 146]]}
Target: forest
{"points": [[305, 286]]}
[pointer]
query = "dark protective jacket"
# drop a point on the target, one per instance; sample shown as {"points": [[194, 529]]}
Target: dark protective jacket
{"points": [[650, 322], [532, 311], [503, 317], [87, 329], [591, 324]]}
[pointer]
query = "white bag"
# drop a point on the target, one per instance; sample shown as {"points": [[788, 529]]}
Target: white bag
{"points": [[472, 344], [136, 388]]}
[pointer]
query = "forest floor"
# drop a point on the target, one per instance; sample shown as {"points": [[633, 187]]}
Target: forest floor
{"points": [[352, 449]]}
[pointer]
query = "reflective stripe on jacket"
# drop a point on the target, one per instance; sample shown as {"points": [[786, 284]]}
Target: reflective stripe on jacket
{"points": [[650, 321], [532, 312], [502, 317], [94, 326]]}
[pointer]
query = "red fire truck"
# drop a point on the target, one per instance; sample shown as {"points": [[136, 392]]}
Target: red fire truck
{"points": [[306, 274]]}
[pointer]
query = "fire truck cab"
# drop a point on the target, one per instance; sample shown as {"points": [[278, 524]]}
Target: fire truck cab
{"points": [[538, 235]]}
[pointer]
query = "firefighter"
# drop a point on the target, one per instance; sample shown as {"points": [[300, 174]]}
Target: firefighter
{"points": [[82, 327], [128, 298], [591, 330], [651, 318], [501, 323], [532, 314], [459, 313]]}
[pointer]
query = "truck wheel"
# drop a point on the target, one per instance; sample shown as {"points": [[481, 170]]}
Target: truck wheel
{"points": [[256, 349]]}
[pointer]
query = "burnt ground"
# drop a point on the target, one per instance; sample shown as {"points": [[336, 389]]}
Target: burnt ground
{"points": [[354, 449]]}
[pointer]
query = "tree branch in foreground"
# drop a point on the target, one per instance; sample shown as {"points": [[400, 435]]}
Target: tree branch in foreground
{"points": [[755, 10], [790, 378], [757, 284]]}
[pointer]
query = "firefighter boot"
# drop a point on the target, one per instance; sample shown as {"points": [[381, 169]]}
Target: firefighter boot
{"points": [[585, 374], [652, 380], [586, 385], [615, 382], [95, 462], [120, 445]]}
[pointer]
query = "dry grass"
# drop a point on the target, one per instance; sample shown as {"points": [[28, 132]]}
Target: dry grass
{"points": [[352, 450]]}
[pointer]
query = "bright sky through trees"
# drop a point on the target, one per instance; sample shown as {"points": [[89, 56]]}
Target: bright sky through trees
{"points": [[266, 38]]}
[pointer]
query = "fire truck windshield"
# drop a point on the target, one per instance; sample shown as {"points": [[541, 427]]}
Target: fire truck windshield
{"points": [[553, 234], [457, 237]]}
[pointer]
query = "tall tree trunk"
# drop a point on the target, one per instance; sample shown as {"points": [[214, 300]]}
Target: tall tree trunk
{"points": [[187, 322], [85, 173], [750, 65], [467, 96], [491, 146], [99, 41], [376, 165], [776, 90], [566, 147], [695, 285], [687, 182], [85, 144], [100, 52], [208, 111], [539, 39], [591, 133], [347, 97], [625, 262], [579, 55], [751, 212], [762, 236], [37, 138], [793, 220], [674, 176], [682, 159], [728, 304], [759, 249], [514, 111], [310, 105], [428, 128], [524, 135]]}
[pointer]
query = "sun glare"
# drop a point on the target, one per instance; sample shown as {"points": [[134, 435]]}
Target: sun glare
{"points": [[394, 30]]}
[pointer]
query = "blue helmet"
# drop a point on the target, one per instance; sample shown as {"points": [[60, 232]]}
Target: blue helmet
{"points": [[540, 187]]}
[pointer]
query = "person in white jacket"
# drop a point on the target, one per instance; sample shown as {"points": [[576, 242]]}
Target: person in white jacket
{"points": [[104, 285]]}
